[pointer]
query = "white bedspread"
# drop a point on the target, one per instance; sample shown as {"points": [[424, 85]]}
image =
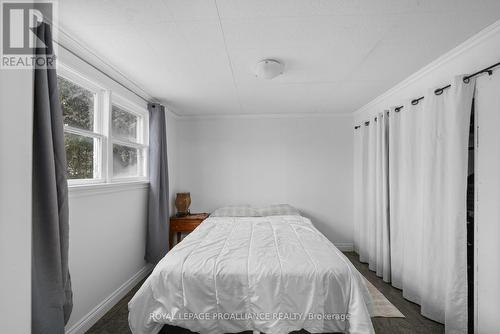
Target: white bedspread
{"points": [[269, 274]]}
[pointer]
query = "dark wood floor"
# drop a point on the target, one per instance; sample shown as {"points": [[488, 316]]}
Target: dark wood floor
{"points": [[116, 320], [413, 323]]}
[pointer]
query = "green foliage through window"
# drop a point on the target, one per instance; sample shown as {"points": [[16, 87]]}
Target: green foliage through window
{"points": [[85, 145], [77, 104], [80, 156]]}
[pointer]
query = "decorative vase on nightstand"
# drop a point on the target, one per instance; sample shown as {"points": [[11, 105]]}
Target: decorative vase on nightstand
{"points": [[182, 203]]}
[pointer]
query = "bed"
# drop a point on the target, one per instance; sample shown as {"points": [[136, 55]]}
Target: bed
{"points": [[265, 273]]}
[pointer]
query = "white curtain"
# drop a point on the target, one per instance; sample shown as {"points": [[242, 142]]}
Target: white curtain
{"points": [[405, 189], [358, 184], [414, 164], [445, 133], [371, 193], [396, 198], [381, 237], [373, 220], [411, 184], [364, 216]]}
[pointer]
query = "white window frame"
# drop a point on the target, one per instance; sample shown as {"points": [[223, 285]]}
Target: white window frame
{"points": [[104, 98], [97, 133], [142, 137]]}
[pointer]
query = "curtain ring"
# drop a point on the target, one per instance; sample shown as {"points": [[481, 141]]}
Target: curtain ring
{"points": [[438, 91]]}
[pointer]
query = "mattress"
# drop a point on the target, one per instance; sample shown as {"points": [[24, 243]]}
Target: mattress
{"points": [[271, 274]]}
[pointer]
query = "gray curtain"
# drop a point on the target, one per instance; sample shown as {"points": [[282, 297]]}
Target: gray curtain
{"points": [[158, 216], [51, 284]]}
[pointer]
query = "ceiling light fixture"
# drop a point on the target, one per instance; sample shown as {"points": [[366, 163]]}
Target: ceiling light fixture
{"points": [[268, 69]]}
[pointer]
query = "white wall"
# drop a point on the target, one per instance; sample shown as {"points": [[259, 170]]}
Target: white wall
{"points": [[478, 52], [107, 231], [303, 161], [16, 117], [107, 245]]}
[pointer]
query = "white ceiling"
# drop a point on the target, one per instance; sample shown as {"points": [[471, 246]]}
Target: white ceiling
{"points": [[197, 56]]}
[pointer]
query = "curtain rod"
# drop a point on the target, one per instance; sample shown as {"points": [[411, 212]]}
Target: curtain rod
{"points": [[107, 75], [439, 91]]}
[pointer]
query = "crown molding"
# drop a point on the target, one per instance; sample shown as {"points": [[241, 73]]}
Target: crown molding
{"points": [[172, 113], [264, 115], [445, 58]]}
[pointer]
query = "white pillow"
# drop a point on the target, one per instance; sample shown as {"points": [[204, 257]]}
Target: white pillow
{"points": [[235, 211], [278, 210]]}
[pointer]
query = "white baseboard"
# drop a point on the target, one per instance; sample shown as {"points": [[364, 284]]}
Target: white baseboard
{"points": [[344, 246], [100, 310]]}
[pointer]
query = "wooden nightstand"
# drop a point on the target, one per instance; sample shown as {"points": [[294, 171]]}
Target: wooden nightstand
{"points": [[184, 224]]}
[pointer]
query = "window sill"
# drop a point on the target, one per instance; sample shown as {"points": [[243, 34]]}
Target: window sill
{"points": [[75, 190]]}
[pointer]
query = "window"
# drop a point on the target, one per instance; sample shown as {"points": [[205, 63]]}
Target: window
{"points": [[124, 124], [80, 156], [77, 104], [81, 139], [128, 140], [104, 134]]}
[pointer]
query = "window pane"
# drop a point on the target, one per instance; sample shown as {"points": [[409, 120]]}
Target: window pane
{"points": [[126, 161], [124, 124], [80, 156], [77, 104]]}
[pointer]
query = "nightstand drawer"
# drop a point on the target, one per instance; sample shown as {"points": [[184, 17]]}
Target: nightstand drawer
{"points": [[184, 224], [180, 226]]}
